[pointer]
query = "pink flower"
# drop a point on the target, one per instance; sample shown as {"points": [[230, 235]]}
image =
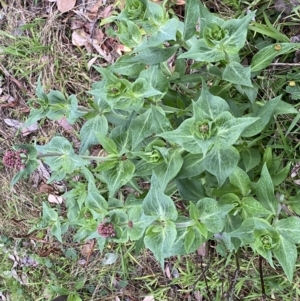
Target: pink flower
{"points": [[106, 230], [13, 159]]}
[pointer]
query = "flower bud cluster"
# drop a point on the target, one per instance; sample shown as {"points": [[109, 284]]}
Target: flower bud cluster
{"points": [[106, 230], [13, 159]]}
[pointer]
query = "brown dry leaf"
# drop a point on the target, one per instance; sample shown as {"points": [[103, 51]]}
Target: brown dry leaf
{"points": [[80, 38], [76, 24], [63, 122], [93, 11], [96, 6], [122, 48], [87, 248], [45, 188], [107, 11], [65, 5], [55, 199]]}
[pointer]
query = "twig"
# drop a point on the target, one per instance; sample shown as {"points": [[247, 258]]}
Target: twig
{"points": [[262, 283]]}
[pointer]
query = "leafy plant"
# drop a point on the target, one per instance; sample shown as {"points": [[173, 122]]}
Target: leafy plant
{"points": [[200, 137]]}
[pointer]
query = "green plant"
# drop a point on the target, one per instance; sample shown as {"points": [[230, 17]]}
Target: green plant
{"points": [[200, 136]]}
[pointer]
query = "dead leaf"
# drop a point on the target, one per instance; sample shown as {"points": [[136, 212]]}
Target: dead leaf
{"points": [[63, 122], [202, 250], [95, 8], [168, 272], [55, 199], [7, 98], [92, 13], [65, 5], [87, 248], [45, 188], [107, 11], [80, 38], [149, 298], [91, 62], [76, 24], [198, 296], [19, 125]]}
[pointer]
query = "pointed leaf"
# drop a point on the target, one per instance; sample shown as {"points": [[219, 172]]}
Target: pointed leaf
{"points": [[118, 176], [265, 191], [159, 239], [89, 131], [221, 162], [286, 254], [158, 204]]}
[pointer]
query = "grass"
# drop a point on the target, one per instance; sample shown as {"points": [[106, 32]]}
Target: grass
{"points": [[32, 44]]}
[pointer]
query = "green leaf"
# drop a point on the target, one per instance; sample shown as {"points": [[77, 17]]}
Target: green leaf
{"points": [[236, 73], [17, 177], [118, 176], [266, 55], [56, 230], [237, 33], [246, 231], [138, 222], [192, 14], [156, 79], [194, 212], [107, 143], [189, 239], [191, 190], [212, 215], [209, 106], [166, 172], [165, 32], [265, 114], [158, 204], [251, 158], [148, 123], [230, 128], [264, 190], [121, 66], [63, 159], [129, 33], [49, 214], [279, 177], [178, 246], [201, 52], [36, 114], [286, 254], [192, 166], [252, 208], [71, 110], [241, 180], [289, 228], [153, 55], [221, 162], [160, 238], [95, 200], [89, 131]]}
